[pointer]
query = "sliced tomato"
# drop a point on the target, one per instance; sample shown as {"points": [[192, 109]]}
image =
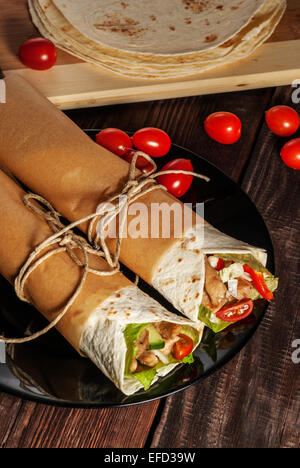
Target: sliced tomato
{"points": [[236, 311], [259, 283], [183, 347]]}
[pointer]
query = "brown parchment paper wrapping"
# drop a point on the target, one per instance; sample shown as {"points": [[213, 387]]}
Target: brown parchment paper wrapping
{"points": [[45, 150], [54, 281]]}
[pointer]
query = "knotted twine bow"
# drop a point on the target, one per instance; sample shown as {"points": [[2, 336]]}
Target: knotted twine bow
{"points": [[66, 240]]}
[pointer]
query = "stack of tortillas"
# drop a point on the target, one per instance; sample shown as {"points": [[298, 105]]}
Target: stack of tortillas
{"points": [[157, 38]]}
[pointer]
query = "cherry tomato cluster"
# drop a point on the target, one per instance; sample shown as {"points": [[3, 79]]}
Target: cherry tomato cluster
{"points": [[284, 121], [224, 127], [154, 142]]}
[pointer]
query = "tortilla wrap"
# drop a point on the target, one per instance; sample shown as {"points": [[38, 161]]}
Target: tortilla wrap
{"points": [[53, 24], [95, 323], [155, 27], [76, 176]]}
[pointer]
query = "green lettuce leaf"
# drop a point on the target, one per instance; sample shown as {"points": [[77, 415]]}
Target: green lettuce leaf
{"points": [[131, 334], [189, 359], [191, 332], [216, 325], [146, 377]]}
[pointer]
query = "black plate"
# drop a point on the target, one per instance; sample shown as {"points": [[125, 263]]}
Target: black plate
{"points": [[49, 371]]}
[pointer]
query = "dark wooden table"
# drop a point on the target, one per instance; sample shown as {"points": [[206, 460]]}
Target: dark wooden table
{"points": [[254, 401]]}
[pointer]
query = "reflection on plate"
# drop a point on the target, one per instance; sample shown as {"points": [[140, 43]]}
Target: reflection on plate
{"points": [[49, 371]]}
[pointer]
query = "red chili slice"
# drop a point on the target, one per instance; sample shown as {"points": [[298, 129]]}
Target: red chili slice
{"points": [[259, 283], [220, 265], [183, 347], [236, 311]]}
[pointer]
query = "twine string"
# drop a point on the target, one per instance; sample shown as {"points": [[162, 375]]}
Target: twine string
{"points": [[135, 188], [67, 241]]}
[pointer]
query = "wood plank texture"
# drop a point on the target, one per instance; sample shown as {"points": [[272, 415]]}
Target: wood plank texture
{"points": [[84, 85], [254, 401], [288, 29], [74, 84], [28, 425]]}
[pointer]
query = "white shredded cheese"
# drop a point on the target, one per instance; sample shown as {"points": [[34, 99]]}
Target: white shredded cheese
{"points": [[164, 359], [214, 318], [232, 287], [247, 277], [235, 270], [213, 261]]}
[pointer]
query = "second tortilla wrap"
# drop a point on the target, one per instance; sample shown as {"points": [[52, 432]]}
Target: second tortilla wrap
{"points": [[54, 158]]}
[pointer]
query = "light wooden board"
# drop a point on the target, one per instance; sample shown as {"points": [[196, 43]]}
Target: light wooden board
{"points": [[73, 84]]}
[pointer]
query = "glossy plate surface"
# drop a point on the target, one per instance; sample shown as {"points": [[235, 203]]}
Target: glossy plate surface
{"points": [[49, 371]]}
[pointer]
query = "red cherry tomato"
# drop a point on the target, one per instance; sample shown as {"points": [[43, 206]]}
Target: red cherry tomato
{"points": [[290, 153], [114, 140], [152, 141], [283, 120], [224, 127], [236, 311], [177, 184], [38, 53], [141, 163], [183, 347]]}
